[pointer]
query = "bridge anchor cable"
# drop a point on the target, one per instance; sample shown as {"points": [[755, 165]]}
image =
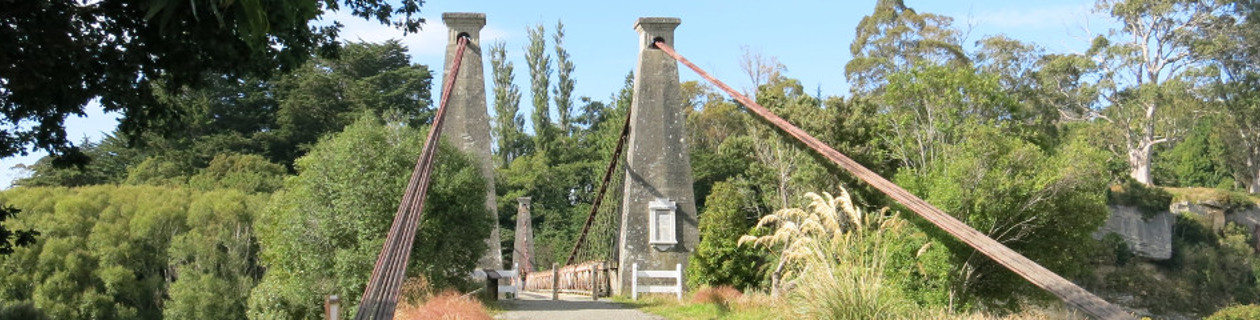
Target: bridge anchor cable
{"points": [[380, 297]]}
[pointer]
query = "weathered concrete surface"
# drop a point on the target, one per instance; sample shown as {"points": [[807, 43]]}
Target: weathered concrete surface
{"points": [[1148, 238], [523, 246], [467, 124], [537, 306], [657, 160]]}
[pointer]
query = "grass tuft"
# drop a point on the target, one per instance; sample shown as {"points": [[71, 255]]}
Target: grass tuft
{"points": [[449, 305]]}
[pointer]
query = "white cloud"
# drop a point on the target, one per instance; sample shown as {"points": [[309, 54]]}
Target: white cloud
{"points": [[428, 44]]}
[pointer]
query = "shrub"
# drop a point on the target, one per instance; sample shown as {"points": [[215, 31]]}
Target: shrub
{"points": [[1241, 312], [1149, 200], [1119, 247]]}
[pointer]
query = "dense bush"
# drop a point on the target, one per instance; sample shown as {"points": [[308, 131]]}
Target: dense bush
{"points": [[132, 252], [1240, 312], [322, 232], [719, 260]]}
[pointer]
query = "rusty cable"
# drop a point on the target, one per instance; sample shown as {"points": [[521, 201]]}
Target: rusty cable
{"points": [[380, 297], [603, 186]]}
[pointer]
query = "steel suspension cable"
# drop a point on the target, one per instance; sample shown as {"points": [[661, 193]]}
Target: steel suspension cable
{"points": [[603, 187], [380, 297], [1069, 292]]}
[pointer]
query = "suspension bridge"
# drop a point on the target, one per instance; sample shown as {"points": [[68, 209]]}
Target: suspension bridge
{"points": [[641, 243]]}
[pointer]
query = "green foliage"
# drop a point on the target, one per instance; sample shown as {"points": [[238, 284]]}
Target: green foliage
{"points": [[894, 37], [159, 171], [1038, 203], [1149, 200], [1238, 312], [508, 132], [248, 173], [1119, 248], [719, 260], [539, 81], [1208, 270], [21, 310], [159, 44], [20, 238], [110, 159], [564, 82], [131, 251], [1201, 159], [321, 232]]}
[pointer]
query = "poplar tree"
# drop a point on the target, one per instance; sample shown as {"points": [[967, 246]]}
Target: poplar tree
{"points": [[564, 81]]}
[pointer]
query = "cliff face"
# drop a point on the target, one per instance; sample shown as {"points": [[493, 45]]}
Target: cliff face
{"points": [[1218, 214], [1147, 238], [1151, 238]]}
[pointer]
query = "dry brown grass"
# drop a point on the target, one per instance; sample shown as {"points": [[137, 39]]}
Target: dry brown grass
{"points": [[449, 305], [721, 296], [415, 291]]}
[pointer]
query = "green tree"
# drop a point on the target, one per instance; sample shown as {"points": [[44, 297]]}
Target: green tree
{"points": [[539, 82], [1043, 204], [509, 125], [1233, 81], [216, 259], [1145, 64], [132, 252], [248, 173], [320, 233], [564, 81], [110, 159], [930, 107], [895, 36], [54, 59], [719, 260], [1202, 159]]}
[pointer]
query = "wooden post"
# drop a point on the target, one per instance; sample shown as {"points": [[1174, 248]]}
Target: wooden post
{"points": [[594, 288], [555, 281]]}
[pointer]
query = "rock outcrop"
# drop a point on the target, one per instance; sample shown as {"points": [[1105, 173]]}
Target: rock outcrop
{"points": [[1149, 238], [1218, 214]]}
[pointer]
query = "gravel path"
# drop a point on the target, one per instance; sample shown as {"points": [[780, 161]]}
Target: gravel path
{"points": [[534, 306]]}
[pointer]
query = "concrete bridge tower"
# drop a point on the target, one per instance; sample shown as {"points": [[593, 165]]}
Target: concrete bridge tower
{"points": [[658, 219], [467, 121]]}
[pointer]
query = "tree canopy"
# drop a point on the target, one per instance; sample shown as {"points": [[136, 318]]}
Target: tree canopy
{"points": [[62, 55]]}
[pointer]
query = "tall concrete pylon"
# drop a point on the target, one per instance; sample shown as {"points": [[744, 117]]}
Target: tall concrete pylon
{"points": [[658, 218], [467, 123], [523, 247]]}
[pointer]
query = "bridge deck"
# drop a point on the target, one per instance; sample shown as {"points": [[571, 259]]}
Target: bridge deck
{"points": [[536, 306]]}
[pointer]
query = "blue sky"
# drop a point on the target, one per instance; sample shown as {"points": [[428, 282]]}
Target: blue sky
{"points": [[810, 37]]}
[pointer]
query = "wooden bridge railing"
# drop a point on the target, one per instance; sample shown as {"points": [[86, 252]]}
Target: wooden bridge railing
{"points": [[588, 278]]}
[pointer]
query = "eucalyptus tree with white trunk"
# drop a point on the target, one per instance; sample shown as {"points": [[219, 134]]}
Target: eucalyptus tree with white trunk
{"points": [[1144, 68]]}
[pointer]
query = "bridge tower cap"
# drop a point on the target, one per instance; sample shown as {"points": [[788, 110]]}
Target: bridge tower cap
{"points": [[652, 28]]}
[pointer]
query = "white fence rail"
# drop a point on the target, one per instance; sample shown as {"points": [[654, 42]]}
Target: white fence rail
{"points": [[636, 288]]}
